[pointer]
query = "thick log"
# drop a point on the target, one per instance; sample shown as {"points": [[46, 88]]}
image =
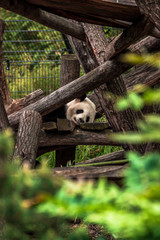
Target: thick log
{"points": [[113, 173], [105, 158], [45, 18], [70, 70], [4, 123], [96, 12], [144, 74], [102, 74], [17, 105], [28, 137], [77, 137], [4, 93], [125, 39], [3, 84], [119, 121], [150, 9]]}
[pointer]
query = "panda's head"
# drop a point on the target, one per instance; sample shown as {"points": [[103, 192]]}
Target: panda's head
{"points": [[81, 111]]}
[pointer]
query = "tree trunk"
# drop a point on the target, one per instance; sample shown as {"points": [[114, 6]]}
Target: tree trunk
{"points": [[4, 123], [112, 173], [70, 70], [28, 137], [119, 155], [3, 84]]}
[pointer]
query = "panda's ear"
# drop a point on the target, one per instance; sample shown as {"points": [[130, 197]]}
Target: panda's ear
{"points": [[82, 98]]}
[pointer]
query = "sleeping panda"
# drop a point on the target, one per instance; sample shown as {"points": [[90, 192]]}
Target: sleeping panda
{"points": [[79, 110]]}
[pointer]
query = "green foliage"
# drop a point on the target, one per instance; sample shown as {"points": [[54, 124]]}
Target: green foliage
{"points": [[38, 206], [140, 96], [133, 58], [6, 144]]}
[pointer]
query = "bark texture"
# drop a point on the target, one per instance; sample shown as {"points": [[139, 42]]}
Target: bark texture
{"points": [[19, 104], [3, 84], [70, 70], [28, 137]]}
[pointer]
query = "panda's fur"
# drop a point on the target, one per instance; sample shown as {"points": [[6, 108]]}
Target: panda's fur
{"points": [[81, 111]]}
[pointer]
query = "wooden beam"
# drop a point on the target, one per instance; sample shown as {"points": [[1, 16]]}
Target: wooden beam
{"points": [[4, 123], [17, 105], [105, 158], [3, 83], [102, 74], [122, 120], [77, 137], [97, 10], [4, 93], [74, 89], [151, 9], [45, 18], [127, 37], [110, 172], [70, 70]]}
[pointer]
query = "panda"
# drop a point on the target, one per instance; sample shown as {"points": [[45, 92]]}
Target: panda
{"points": [[80, 110]]}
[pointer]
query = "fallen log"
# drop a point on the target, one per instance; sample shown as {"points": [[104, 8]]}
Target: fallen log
{"points": [[17, 105], [102, 74], [28, 137], [77, 137], [105, 158], [113, 173]]}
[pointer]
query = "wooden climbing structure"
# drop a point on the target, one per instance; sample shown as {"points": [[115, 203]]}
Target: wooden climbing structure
{"points": [[82, 22]]}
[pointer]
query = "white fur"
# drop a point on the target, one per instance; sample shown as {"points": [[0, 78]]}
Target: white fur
{"points": [[88, 107]]}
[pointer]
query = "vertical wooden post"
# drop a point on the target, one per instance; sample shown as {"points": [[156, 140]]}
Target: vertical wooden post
{"points": [[3, 84], [4, 123], [28, 137], [70, 70]]}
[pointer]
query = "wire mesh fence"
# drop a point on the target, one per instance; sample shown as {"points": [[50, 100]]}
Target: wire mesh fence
{"points": [[31, 57]]}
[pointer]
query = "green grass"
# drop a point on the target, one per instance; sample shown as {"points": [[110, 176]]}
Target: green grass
{"points": [[83, 153]]}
